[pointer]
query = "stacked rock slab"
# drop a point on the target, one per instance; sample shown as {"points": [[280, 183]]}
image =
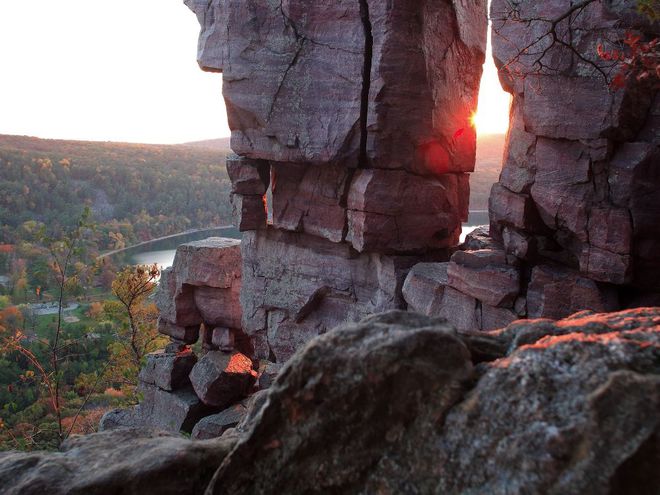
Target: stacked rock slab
{"points": [[356, 114], [575, 215], [197, 297]]}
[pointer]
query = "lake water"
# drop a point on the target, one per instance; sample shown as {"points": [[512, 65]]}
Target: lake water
{"points": [[162, 252]]}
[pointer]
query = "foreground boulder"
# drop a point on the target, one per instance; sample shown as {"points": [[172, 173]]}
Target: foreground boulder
{"points": [[118, 462], [403, 403], [349, 399], [394, 405], [220, 378]]}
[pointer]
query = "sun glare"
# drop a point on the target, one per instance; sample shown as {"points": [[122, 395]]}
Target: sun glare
{"points": [[492, 116]]}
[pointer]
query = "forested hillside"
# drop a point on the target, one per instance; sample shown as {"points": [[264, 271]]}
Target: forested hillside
{"points": [[135, 191]]}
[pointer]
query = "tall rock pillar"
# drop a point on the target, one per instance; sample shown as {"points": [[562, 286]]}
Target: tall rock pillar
{"points": [[578, 198], [355, 114]]}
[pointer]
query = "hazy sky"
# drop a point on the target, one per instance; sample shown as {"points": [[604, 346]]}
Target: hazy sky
{"points": [[493, 113], [122, 70], [119, 70]]}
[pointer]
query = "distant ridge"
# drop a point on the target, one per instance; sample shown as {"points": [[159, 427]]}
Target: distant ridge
{"points": [[220, 144]]}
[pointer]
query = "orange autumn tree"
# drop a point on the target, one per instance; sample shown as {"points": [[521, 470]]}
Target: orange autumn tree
{"points": [[137, 334]]}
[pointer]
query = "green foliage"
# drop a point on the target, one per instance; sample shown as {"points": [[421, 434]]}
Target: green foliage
{"points": [[650, 8], [135, 192]]}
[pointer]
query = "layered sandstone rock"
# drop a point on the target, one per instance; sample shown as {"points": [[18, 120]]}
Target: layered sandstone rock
{"points": [[576, 180], [322, 83], [323, 285], [197, 297], [368, 170], [202, 286], [221, 378], [572, 210]]}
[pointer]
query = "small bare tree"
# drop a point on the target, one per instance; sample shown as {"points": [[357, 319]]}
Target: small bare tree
{"points": [[65, 252]]}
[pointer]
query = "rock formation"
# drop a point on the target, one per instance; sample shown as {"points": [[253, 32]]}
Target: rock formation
{"points": [[356, 116], [128, 462], [198, 296], [353, 118], [402, 403], [575, 216]]}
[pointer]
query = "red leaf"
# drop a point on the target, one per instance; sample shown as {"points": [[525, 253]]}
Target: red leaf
{"points": [[619, 81]]}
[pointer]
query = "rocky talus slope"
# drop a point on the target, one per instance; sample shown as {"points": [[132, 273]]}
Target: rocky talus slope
{"points": [[401, 403]]}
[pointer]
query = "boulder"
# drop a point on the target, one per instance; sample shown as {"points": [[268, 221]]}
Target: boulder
{"points": [[202, 286], [175, 411], [349, 399], [571, 406], [556, 292], [424, 288], [577, 414], [579, 398], [215, 425], [220, 379], [248, 212], [168, 371], [248, 177], [395, 211], [485, 275], [126, 461]]}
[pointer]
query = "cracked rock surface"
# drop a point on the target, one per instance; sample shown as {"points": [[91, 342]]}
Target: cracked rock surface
{"points": [[403, 403], [398, 404]]}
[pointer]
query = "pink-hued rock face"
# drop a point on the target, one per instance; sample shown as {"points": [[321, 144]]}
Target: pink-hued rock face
{"points": [[299, 286], [220, 378], [421, 121], [307, 198], [292, 75], [314, 82], [577, 183], [202, 286], [358, 111]]}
